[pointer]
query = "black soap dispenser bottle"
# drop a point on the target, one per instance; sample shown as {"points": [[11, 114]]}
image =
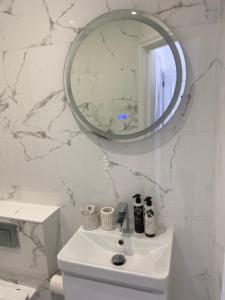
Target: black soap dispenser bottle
{"points": [[138, 214]]}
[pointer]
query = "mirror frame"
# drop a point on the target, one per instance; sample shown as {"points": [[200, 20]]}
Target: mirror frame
{"points": [[116, 15]]}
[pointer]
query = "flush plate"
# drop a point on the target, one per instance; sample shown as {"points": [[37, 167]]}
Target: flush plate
{"points": [[8, 235]]}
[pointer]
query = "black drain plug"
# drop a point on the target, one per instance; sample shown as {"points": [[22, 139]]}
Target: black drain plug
{"points": [[118, 260]]}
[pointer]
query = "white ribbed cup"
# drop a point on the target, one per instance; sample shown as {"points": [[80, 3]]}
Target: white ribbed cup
{"points": [[107, 218], [90, 222]]}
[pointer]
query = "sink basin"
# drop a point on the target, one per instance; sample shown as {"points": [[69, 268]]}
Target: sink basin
{"points": [[89, 255]]}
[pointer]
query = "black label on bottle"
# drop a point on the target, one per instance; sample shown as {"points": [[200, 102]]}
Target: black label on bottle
{"points": [[139, 219]]}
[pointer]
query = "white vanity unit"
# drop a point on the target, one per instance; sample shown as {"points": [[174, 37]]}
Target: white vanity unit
{"points": [[88, 271]]}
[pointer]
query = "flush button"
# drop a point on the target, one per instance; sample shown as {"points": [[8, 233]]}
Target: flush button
{"points": [[9, 235], [5, 236]]}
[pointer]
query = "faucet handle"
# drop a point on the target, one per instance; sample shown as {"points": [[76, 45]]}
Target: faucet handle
{"points": [[122, 207]]}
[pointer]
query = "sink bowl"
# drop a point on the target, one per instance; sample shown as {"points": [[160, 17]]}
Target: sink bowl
{"points": [[89, 254]]}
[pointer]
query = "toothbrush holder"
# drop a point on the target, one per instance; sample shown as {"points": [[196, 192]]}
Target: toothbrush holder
{"points": [[107, 218], [90, 222]]}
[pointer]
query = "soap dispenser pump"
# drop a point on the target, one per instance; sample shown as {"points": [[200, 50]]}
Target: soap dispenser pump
{"points": [[149, 218], [138, 214]]}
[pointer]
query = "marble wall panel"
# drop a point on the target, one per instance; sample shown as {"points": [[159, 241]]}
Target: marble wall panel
{"points": [[45, 158]]}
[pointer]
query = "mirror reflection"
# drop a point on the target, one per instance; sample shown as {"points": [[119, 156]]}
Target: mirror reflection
{"points": [[123, 77]]}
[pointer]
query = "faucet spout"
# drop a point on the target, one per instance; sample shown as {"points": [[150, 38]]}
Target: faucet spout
{"points": [[123, 217]]}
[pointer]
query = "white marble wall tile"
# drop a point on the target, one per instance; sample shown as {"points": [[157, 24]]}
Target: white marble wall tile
{"points": [[189, 259], [20, 23], [4, 98], [191, 178], [61, 21], [217, 236], [201, 73], [20, 26], [175, 15], [38, 101], [171, 11], [181, 187], [87, 182], [10, 171], [45, 158], [1, 72], [11, 192]]}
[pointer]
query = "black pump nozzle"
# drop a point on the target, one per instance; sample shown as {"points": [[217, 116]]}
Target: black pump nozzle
{"points": [[137, 198], [148, 201]]}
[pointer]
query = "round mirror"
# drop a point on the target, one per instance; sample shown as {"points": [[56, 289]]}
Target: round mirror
{"points": [[125, 75]]}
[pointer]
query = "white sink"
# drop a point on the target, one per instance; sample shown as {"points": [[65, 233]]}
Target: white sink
{"points": [[89, 253]]}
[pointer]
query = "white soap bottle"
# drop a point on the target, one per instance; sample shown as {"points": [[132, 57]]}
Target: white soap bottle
{"points": [[149, 218]]}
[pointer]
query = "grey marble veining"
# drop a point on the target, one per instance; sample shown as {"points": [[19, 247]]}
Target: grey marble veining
{"points": [[70, 193], [107, 167], [138, 174], [178, 5], [43, 135], [33, 237], [6, 7], [195, 82], [173, 156], [12, 194], [43, 149], [167, 13], [3, 106], [56, 23], [43, 103], [107, 5]]}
